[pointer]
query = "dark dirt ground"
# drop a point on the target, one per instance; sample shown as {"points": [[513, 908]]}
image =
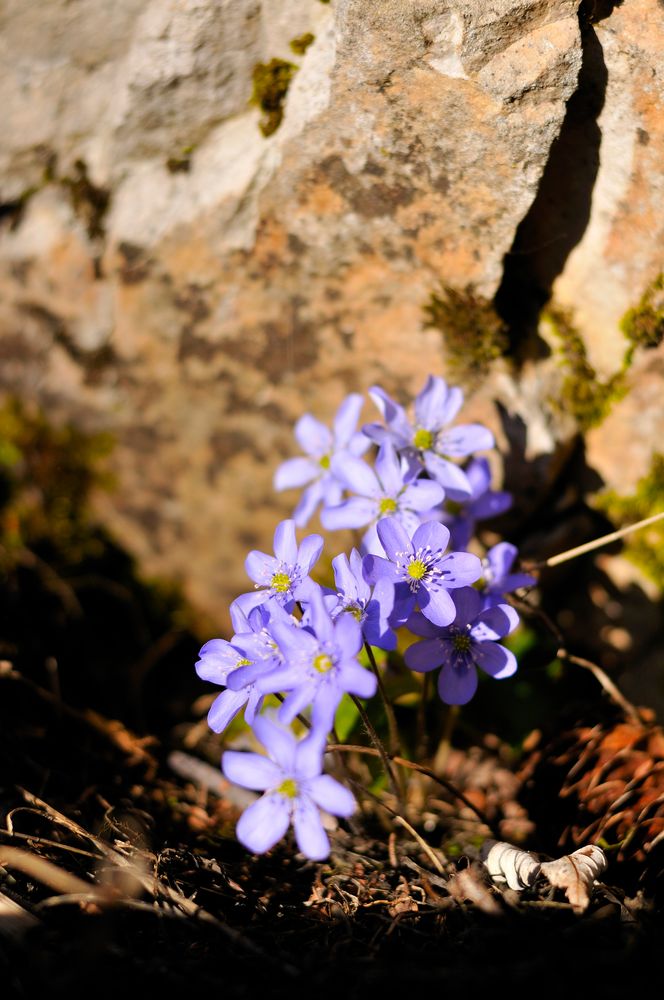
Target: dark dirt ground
{"points": [[118, 862], [116, 871]]}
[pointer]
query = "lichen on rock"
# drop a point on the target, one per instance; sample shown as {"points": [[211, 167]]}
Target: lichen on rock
{"points": [[271, 81]]}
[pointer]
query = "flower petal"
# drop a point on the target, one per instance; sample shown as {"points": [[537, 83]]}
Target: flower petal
{"points": [[313, 437], [309, 755], [457, 442], [437, 606], [453, 479], [224, 708], [295, 472], [468, 604], [344, 578], [346, 419], [308, 502], [388, 469], [285, 545], [308, 552], [460, 569], [493, 503], [309, 832], [332, 796], [457, 685], [495, 623], [264, 823], [393, 414], [280, 743], [356, 680], [352, 513], [250, 770], [422, 495], [424, 656], [355, 475], [436, 405], [494, 659], [296, 701], [432, 534], [260, 567], [393, 538]]}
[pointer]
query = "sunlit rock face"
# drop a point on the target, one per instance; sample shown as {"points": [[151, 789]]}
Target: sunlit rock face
{"points": [[173, 274]]}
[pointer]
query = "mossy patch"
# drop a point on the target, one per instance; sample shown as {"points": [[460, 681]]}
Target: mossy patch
{"points": [[300, 44], [643, 325], [180, 163], [76, 613], [583, 394], [47, 473], [270, 85], [88, 201], [473, 333], [645, 548]]}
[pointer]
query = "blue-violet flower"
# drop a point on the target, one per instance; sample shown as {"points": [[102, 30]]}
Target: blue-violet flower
{"points": [[471, 641], [295, 791]]}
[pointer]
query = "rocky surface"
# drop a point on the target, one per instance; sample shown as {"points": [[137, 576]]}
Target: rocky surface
{"points": [[170, 273]]}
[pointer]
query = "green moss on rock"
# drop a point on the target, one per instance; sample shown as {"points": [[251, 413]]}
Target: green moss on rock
{"points": [[270, 85], [643, 325], [473, 333], [582, 394], [88, 201], [644, 548], [300, 44], [47, 473]]}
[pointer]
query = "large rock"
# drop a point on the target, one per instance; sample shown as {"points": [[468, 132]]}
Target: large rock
{"points": [[174, 275]]}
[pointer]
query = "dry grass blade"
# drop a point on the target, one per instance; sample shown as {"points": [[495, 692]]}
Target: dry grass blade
{"points": [[44, 871], [154, 888], [15, 920]]}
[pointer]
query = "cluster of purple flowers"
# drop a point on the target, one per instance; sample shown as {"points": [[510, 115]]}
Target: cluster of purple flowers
{"points": [[293, 638]]}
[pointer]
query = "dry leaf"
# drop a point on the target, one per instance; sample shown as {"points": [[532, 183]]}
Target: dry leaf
{"points": [[467, 885], [403, 902], [506, 863], [575, 873]]}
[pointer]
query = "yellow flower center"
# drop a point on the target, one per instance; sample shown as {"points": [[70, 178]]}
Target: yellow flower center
{"points": [[462, 643], [387, 506], [322, 663], [417, 569], [324, 462], [288, 788], [280, 582], [355, 610], [423, 439]]}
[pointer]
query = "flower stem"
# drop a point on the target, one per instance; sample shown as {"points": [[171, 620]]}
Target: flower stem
{"points": [[411, 765], [380, 750], [395, 743]]}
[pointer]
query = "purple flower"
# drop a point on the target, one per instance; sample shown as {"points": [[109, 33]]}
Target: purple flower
{"points": [[236, 664], [283, 577], [389, 491], [321, 445], [320, 665], [421, 570], [218, 660], [483, 502], [469, 642], [295, 790], [497, 580], [370, 607], [429, 442]]}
